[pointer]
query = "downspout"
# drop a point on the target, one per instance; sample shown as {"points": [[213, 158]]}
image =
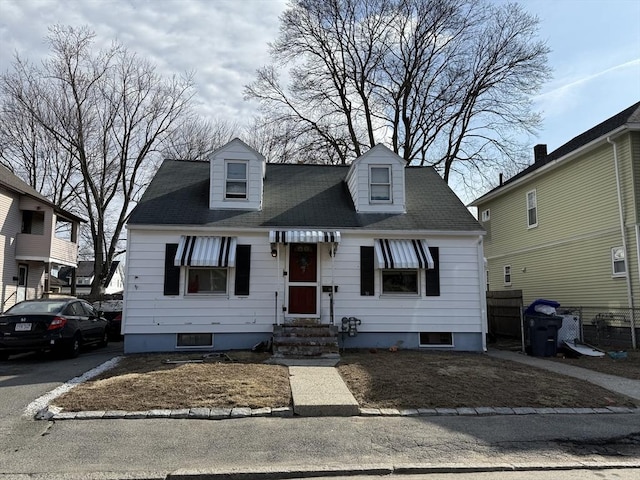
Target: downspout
{"points": [[483, 294], [624, 240], [278, 274]]}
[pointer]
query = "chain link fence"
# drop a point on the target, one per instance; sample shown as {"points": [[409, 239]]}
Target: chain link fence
{"points": [[616, 328]]}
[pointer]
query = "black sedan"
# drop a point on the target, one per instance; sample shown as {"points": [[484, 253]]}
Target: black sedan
{"points": [[64, 325]]}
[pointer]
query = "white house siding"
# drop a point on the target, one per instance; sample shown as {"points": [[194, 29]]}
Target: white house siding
{"points": [[358, 181], [10, 221], [236, 151], [151, 319]]}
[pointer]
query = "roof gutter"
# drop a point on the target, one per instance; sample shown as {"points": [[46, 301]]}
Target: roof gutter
{"points": [[623, 234]]}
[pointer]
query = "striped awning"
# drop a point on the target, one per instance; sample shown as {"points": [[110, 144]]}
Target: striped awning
{"points": [[403, 254], [201, 251], [304, 236]]}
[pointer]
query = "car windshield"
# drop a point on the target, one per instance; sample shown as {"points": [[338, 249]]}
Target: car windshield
{"points": [[36, 307]]}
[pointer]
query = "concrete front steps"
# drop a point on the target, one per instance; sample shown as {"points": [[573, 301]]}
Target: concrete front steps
{"points": [[305, 339]]}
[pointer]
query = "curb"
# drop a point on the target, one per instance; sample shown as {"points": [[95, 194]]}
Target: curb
{"points": [[56, 413], [274, 473]]}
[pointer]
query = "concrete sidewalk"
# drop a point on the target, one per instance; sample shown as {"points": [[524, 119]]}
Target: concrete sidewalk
{"points": [[320, 391], [624, 386]]}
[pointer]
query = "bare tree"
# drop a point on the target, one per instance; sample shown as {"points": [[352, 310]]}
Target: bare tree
{"points": [[106, 113], [446, 83], [195, 137]]}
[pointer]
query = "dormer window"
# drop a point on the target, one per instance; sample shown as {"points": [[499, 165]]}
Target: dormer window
{"points": [[236, 180], [380, 183]]}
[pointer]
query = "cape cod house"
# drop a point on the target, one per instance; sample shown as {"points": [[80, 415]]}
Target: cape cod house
{"points": [[225, 254], [36, 237]]}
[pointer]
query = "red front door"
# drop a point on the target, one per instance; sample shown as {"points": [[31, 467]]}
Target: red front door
{"points": [[303, 279]]}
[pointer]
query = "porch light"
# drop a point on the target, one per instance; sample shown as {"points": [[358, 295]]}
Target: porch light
{"points": [[274, 250]]}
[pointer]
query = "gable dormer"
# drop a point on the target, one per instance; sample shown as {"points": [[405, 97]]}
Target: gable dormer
{"points": [[236, 177], [376, 182]]}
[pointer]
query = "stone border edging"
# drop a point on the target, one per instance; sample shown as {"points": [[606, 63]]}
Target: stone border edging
{"points": [[56, 413]]}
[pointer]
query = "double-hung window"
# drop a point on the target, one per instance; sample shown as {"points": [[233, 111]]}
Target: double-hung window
{"points": [[507, 275], [617, 261], [207, 280], [380, 184], [236, 180], [532, 209]]}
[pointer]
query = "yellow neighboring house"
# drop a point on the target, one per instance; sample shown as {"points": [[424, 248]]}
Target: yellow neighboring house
{"points": [[35, 237], [567, 228]]}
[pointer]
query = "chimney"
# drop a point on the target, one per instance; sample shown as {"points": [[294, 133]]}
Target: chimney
{"points": [[539, 152]]}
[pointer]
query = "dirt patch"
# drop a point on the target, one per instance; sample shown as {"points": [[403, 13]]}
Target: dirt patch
{"points": [[409, 379], [404, 379]]}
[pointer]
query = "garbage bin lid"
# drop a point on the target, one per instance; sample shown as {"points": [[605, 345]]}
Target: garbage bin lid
{"points": [[540, 301]]}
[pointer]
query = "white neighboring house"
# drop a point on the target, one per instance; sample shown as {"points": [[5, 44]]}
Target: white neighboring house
{"points": [[36, 237], [113, 282], [221, 253]]}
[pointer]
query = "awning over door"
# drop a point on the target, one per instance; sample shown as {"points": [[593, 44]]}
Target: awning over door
{"points": [[304, 236], [201, 251], [403, 254]]}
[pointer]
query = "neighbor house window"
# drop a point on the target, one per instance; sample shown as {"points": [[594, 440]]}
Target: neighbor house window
{"points": [[486, 215], [436, 339], [400, 281], [186, 340], [207, 280], [236, 180], [532, 209], [380, 184], [617, 260], [507, 274]]}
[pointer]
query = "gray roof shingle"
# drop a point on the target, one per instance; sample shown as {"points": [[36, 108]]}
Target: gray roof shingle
{"points": [[297, 196]]}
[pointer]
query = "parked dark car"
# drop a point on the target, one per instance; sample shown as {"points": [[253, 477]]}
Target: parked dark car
{"points": [[112, 311], [62, 325]]}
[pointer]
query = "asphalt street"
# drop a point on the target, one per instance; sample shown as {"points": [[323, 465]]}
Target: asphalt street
{"points": [[188, 448]]}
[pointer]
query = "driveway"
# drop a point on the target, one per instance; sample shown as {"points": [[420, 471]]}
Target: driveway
{"points": [[24, 378]]}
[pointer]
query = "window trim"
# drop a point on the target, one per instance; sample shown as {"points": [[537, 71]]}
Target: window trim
{"points": [[534, 208], [389, 184], [506, 271], [234, 198], [193, 347], [486, 215], [436, 345], [187, 293], [614, 261], [418, 275]]}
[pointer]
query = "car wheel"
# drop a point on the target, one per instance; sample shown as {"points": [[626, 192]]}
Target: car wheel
{"points": [[73, 349], [105, 339]]}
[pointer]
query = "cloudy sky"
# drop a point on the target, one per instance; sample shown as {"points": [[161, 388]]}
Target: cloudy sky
{"points": [[595, 43]]}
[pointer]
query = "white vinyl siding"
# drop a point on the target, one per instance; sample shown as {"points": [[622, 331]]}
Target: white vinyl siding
{"points": [[457, 309]]}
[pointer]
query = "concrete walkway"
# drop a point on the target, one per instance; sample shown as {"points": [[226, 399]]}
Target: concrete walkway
{"points": [[624, 386], [320, 391]]}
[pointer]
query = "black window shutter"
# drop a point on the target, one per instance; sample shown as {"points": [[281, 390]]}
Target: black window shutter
{"points": [[243, 269], [433, 275], [367, 272], [171, 272]]}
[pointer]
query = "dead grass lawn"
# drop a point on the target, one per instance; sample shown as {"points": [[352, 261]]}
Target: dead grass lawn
{"points": [[404, 379], [409, 379], [628, 367]]}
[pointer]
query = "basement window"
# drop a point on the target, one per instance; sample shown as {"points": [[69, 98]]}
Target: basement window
{"points": [[436, 339], [194, 340]]}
